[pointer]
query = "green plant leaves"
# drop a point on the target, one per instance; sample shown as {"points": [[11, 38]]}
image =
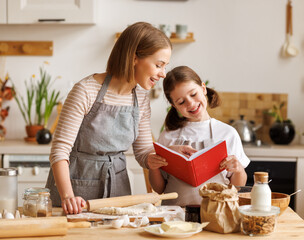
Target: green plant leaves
{"points": [[37, 92]]}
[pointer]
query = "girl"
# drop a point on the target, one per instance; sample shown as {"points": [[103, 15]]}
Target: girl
{"points": [[103, 115], [189, 123]]}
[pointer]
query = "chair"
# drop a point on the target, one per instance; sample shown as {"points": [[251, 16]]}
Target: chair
{"points": [[148, 185]]}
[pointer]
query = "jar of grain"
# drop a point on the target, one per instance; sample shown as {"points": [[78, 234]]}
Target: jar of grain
{"points": [[8, 189], [44, 205], [37, 202]]}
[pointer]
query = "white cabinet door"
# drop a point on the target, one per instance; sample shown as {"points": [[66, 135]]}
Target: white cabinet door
{"points": [[2, 11], [51, 11]]}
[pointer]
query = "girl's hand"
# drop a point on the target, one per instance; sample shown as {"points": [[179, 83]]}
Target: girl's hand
{"points": [[186, 150], [73, 205], [231, 164], [155, 161]]}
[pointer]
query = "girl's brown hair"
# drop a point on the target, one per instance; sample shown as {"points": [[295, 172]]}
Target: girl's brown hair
{"points": [[178, 75], [140, 39]]}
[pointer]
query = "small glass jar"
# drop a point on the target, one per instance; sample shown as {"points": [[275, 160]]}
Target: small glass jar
{"points": [[193, 213], [258, 223], [8, 189], [44, 205], [37, 202]]}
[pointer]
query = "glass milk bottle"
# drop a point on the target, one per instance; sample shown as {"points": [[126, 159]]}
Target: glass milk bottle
{"points": [[8, 189], [261, 193]]}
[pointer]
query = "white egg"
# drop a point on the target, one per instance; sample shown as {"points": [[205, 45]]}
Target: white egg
{"points": [[144, 220], [17, 214], [117, 223], [0, 215], [126, 220], [8, 215]]}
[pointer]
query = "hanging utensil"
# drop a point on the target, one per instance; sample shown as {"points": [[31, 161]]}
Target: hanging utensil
{"points": [[286, 43], [291, 50]]}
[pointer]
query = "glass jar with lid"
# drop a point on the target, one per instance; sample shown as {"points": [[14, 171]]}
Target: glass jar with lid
{"points": [[8, 189], [34, 200], [44, 205]]}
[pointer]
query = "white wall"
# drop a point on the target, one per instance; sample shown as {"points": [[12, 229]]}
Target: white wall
{"points": [[237, 48]]}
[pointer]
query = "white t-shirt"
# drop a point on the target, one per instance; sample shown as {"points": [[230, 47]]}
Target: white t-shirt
{"points": [[199, 134]]}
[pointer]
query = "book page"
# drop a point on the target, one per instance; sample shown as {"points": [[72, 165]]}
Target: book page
{"points": [[200, 152], [172, 151]]}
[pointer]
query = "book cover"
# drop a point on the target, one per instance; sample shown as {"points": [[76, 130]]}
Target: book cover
{"points": [[199, 167]]}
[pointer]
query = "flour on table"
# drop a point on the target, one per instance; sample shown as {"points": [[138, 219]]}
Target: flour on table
{"points": [[131, 210]]}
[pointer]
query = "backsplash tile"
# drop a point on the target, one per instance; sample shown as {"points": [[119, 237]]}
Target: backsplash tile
{"points": [[252, 106]]}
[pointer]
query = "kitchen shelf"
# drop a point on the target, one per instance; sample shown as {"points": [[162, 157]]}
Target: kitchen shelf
{"points": [[173, 38], [30, 48]]}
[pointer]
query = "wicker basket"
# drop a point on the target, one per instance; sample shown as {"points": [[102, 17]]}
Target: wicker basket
{"points": [[280, 200]]}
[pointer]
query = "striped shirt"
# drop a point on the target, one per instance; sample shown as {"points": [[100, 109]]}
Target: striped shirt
{"points": [[78, 104]]}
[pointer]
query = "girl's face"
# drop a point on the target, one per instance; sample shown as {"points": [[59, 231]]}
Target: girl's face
{"points": [[150, 69], [190, 100]]}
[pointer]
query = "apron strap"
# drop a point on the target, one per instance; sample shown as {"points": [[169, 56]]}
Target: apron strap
{"points": [[108, 169], [104, 88]]}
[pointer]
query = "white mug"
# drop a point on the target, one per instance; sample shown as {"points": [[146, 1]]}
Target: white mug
{"points": [[181, 31]]}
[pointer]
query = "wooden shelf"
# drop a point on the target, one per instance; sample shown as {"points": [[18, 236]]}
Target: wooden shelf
{"points": [[30, 48], [173, 38]]}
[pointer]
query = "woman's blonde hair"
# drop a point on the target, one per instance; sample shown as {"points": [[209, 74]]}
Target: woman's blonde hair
{"points": [[178, 75], [140, 39]]}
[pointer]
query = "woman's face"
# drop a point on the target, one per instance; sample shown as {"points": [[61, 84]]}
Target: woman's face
{"points": [[190, 100], [149, 70]]}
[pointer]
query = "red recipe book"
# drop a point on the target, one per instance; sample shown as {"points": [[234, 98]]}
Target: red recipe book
{"points": [[200, 167]]}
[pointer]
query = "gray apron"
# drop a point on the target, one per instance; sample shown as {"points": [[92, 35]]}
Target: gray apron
{"points": [[196, 145], [97, 162]]}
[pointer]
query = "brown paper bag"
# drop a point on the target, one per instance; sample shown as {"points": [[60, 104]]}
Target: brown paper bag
{"points": [[219, 207]]}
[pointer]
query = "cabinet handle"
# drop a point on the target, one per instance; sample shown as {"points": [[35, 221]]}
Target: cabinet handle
{"points": [[51, 20]]}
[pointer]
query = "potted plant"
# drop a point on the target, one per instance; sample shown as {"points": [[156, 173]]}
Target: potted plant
{"points": [[282, 131], [37, 107]]}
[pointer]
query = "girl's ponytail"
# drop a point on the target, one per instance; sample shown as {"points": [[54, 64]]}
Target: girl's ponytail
{"points": [[173, 121]]}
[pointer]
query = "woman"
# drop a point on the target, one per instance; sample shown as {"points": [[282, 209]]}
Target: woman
{"points": [[103, 115]]}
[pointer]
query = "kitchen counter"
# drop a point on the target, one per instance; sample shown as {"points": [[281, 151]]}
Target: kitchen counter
{"points": [[20, 146], [289, 226], [271, 150]]}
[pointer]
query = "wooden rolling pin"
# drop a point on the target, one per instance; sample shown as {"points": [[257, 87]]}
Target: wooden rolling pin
{"points": [[125, 201], [34, 227]]}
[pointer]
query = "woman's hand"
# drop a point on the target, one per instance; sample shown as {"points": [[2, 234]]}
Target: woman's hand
{"points": [[155, 161], [231, 164], [73, 205], [186, 150]]}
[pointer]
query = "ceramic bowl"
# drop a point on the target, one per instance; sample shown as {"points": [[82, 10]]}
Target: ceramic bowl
{"points": [[280, 200]]}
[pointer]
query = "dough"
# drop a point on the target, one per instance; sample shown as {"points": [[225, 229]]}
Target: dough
{"points": [[131, 210]]}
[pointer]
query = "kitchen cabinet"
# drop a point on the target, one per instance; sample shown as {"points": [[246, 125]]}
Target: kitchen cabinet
{"points": [[2, 11], [47, 11]]}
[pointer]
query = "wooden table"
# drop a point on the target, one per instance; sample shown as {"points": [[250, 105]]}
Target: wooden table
{"points": [[289, 226]]}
